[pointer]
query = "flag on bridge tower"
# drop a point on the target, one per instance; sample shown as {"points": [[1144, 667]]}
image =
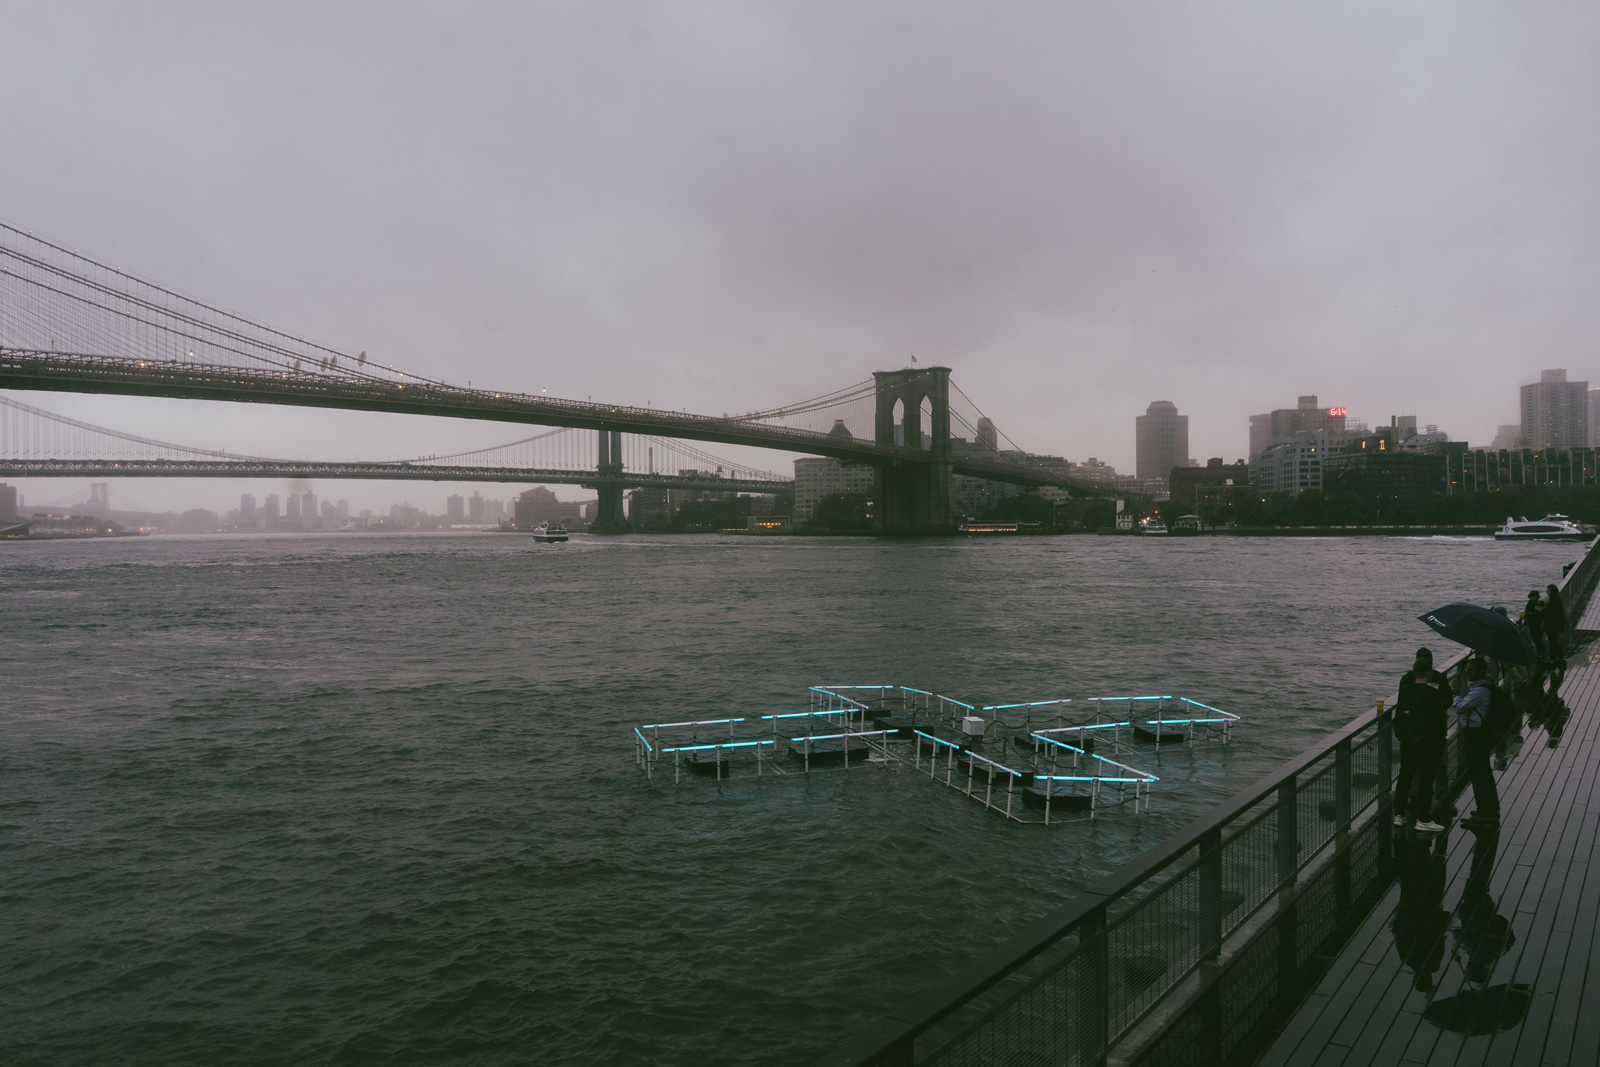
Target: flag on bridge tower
{"points": [[913, 357]]}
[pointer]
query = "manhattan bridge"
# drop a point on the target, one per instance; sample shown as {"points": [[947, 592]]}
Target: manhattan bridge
{"points": [[71, 324]]}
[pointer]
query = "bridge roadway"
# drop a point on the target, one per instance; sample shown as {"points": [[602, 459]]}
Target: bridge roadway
{"points": [[401, 472], [127, 376]]}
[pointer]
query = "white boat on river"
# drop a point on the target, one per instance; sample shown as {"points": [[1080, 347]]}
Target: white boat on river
{"points": [[1549, 528]]}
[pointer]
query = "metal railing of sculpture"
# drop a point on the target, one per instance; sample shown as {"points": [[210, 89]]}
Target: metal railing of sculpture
{"points": [[1046, 764]]}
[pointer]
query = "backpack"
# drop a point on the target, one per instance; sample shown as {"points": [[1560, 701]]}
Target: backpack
{"points": [[1502, 713], [1408, 724]]}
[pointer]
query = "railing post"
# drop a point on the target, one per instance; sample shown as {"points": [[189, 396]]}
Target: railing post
{"points": [[1093, 1014], [1288, 870], [1211, 893], [1288, 831], [1341, 785], [1385, 744], [1341, 846]]}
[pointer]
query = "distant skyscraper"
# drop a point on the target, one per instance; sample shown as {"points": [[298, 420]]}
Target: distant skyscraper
{"points": [[987, 437], [1162, 441], [291, 506], [269, 507], [1555, 412], [308, 505], [1594, 418], [8, 503], [1506, 435], [247, 508], [475, 508], [455, 508], [1280, 426]]}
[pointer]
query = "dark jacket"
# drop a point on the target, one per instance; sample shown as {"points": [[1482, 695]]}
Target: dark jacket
{"points": [[1554, 616], [1432, 702]]}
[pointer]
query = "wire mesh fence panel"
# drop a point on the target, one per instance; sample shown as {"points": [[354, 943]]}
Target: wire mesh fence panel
{"points": [[1246, 992], [1317, 914], [1037, 1024], [1365, 778], [1318, 811], [1249, 867], [1154, 947]]}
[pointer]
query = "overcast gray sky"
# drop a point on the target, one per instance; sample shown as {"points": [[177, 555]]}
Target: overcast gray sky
{"points": [[723, 206]]}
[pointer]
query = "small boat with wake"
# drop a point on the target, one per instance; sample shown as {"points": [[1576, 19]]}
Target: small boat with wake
{"points": [[1549, 528], [546, 534]]}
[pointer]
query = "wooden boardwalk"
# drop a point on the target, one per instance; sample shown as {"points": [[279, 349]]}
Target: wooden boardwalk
{"points": [[1483, 952]]}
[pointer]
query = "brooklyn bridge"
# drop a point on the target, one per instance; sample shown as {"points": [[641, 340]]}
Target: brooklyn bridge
{"points": [[71, 324]]}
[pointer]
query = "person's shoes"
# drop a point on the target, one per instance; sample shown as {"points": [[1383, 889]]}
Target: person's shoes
{"points": [[1399, 820], [1429, 828], [1480, 822]]}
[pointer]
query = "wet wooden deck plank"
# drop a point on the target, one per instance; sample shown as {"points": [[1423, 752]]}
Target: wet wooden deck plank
{"points": [[1555, 912], [1548, 833]]}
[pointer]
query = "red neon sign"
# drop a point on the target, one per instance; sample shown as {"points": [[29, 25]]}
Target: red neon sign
{"points": [[1337, 413]]}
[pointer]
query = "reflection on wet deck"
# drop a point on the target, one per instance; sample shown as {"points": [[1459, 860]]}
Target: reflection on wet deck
{"points": [[1481, 951]]}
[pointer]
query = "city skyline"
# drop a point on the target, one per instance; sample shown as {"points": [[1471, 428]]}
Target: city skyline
{"points": [[656, 239]]}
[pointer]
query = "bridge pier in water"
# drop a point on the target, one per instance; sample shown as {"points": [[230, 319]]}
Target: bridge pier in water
{"points": [[914, 498], [608, 490]]}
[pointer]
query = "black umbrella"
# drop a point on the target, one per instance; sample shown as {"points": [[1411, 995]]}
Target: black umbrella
{"points": [[1483, 630]]}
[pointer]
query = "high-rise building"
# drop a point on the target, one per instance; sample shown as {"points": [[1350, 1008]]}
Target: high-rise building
{"points": [[8, 503], [1281, 426], [647, 505], [308, 505], [1555, 412], [269, 507], [1292, 466], [1594, 418], [819, 476], [988, 439], [247, 508], [541, 505], [291, 506], [1162, 441], [1506, 436], [455, 507], [475, 508]]}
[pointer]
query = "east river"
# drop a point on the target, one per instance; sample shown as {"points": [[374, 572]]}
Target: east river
{"points": [[372, 799]]}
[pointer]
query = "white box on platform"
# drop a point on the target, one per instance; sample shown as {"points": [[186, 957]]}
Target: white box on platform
{"points": [[972, 725]]}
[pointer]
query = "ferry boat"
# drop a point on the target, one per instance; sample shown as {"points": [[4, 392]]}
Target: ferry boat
{"points": [[1152, 528], [1549, 528], [546, 534]]}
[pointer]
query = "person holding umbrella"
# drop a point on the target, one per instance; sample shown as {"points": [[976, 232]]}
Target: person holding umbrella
{"points": [[1472, 712]]}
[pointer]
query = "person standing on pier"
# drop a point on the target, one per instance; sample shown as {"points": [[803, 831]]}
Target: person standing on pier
{"points": [[1532, 620], [1555, 624], [1472, 712], [1422, 719]]}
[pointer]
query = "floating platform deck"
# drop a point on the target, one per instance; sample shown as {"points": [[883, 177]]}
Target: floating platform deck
{"points": [[1044, 758]]}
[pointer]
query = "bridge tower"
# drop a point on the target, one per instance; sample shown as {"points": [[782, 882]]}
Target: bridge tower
{"points": [[914, 497], [608, 508]]}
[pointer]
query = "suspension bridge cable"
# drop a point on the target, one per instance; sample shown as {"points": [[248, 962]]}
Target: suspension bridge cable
{"points": [[51, 416]]}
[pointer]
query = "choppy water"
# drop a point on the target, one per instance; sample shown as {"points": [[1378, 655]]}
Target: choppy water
{"points": [[372, 799]]}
